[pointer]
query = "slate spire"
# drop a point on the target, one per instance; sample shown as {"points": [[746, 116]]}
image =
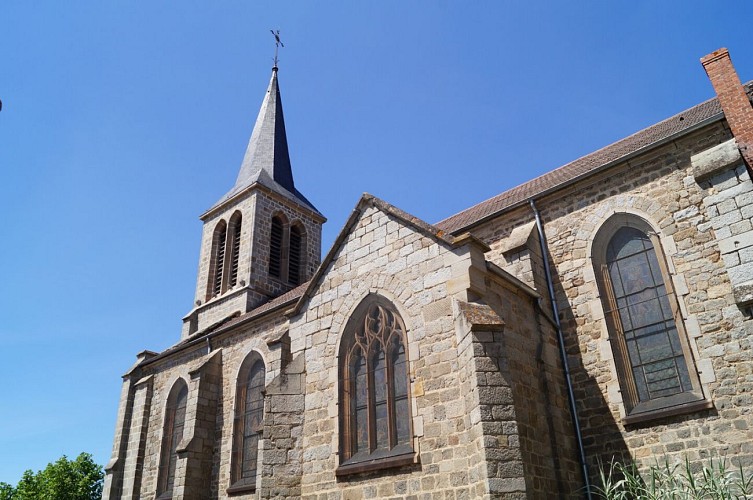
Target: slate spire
{"points": [[267, 160]]}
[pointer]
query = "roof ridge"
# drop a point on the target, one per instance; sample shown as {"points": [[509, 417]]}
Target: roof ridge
{"points": [[584, 165]]}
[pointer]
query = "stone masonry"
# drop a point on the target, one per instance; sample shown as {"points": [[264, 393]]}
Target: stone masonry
{"points": [[488, 383]]}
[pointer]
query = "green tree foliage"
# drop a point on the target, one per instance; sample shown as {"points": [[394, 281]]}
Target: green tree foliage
{"points": [[6, 491], [79, 479]]}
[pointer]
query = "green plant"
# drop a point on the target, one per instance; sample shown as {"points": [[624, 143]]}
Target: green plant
{"points": [[714, 481], [79, 479]]}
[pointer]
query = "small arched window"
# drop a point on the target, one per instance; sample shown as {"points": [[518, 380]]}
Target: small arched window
{"points": [[175, 416], [651, 351], [217, 263], [248, 423], [296, 254], [375, 418], [235, 247], [275, 247]]}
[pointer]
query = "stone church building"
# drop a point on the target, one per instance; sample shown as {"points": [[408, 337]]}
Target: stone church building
{"points": [[603, 309]]}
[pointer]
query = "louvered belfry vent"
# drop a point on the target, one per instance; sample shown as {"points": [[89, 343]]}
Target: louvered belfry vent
{"points": [[235, 252], [220, 261], [294, 268], [275, 248]]}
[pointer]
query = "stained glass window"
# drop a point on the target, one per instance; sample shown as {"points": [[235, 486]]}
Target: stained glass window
{"points": [[175, 416], [374, 371], [642, 311], [656, 356], [248, 425]]}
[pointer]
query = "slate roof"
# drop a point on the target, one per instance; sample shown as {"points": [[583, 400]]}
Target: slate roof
{"points": [[699, 115], [267, 160], [287, 299]]}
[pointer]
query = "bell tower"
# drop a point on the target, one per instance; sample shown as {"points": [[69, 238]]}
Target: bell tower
{"points": [[263, 237]]}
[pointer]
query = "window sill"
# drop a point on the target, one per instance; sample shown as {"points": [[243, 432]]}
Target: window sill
{"points": [[239, 488], [671, 411], [367, 465]]}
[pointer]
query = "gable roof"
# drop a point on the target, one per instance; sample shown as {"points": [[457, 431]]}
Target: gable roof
{"points": [[277, 304], [419, 225], [691, 119]]}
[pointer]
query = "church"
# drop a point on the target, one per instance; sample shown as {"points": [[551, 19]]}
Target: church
{"points": [[603, 309]]}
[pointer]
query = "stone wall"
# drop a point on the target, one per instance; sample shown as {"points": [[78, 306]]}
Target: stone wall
{"points": [[728, 206], [660, 187], [458, 421], [268, 205], [254, 285], [246, 206], [380, 255], [210, 369], [525, 356], [284, 418]]}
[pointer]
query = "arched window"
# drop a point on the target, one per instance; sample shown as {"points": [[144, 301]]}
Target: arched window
{"points": [[235, 246], [651, 351], [247, 427], [217, 264], [275, 247], [375, 419], [296, 254], [175, 416]]}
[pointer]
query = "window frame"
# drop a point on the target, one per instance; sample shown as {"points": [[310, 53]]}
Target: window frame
{"points": [[280, 265], [637, 411], [217, 260], [397, 454], [169, 449], [239, 483], [232, 252]]}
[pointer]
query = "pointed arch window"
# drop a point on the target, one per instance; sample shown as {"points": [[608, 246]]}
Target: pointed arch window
{"points": [[248, 423], [217, 263], [234, 244], [375, 417], [225, 257], [651, 351], [175, 416]]}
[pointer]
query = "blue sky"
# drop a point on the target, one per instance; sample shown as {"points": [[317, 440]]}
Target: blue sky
{"points": [[123, 121]]}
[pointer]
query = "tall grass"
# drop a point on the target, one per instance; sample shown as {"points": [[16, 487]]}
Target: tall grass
{"points": [[714, 481]]}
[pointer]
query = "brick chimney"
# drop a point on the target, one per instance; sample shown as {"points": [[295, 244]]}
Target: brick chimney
{"points": [[735, 103]]}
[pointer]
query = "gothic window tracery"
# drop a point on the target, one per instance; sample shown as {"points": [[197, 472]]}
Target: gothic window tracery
{"points": [[375, 416]]}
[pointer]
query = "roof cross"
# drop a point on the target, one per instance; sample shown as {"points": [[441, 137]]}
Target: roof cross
{"points": [[278, 44]]}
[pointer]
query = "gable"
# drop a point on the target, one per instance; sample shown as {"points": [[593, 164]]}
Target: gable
{"points": [[378, 235]]}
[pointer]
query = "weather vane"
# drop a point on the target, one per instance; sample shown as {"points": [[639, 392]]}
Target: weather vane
{"points": [[278, 43]]}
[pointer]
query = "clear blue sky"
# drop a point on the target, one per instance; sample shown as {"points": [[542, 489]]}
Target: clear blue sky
{"points": [[123, 121]]}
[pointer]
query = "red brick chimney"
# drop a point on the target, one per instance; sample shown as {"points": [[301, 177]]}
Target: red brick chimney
{"points": [[735, 103]]}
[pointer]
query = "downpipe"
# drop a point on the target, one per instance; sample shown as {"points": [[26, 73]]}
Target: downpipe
{"points": [[563, 352]]}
